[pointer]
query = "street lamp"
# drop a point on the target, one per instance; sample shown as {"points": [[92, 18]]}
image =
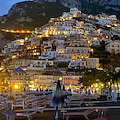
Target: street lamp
{"points": [[16, 86], [60, 78]]}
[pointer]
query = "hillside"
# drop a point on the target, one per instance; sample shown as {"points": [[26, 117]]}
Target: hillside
{"points": [[31, 14], [28, 15]]}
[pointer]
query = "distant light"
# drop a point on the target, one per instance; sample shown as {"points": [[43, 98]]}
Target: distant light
{"points": [[23, 31], [106, 36], [1, 68], [91, 50], [14, 56], [108, 25], [12, 31], [16, 86], [97, 89], [102, 85], [28, 31], [115, 25], [95, 38], [60, 78]]}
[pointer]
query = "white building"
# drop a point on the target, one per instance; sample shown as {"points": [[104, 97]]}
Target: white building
{"points": [[62, 57], [78, 63], [40, 64], [75, 12], [60, 49], [85, 63], [57, 42], [78, 52], [113, 47], [13, 47], [48, 55], [95, 42]]}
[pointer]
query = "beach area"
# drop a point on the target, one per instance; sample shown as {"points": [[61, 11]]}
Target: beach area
{"points": [[111, 114]]}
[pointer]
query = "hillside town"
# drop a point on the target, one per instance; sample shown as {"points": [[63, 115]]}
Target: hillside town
{"points": [[64, 47], [68, 65]]}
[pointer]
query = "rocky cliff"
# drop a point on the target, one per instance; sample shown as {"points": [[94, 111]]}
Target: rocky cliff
{"points": [[31, 14]]}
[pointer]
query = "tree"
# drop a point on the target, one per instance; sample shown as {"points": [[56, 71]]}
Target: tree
{"points": [[63, 64], [90, 78], [115, 37], [115, 78], [44, 39]]}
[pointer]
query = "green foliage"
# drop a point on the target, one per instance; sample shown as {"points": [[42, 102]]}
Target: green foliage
{"points": [[44, 39], [40, 14], [107, 61], [63, 64], [114, 76], [115, 37], [90, 78]]}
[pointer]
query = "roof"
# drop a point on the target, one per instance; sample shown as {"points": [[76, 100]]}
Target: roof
{"points": [[56, 72], [18, 70]]}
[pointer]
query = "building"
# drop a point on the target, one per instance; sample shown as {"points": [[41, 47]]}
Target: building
{"points": [[113, 47], [15, 63], [79, 52], [70, 80], [80, 43], [92, 63], [40, 64], [84, 63], [14, 47], [58, 42], [48, 55], [78, 63], [62, 57], [47, 79], [60, 49], [46, 46], [75, 12], [95, 42]]}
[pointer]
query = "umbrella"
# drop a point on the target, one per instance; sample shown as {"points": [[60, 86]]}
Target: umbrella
{"points": [[106, 92], [55, 82], [89, 92], [115, 94], [64, 93], [58, 99], [86, 92], [69, 93]]}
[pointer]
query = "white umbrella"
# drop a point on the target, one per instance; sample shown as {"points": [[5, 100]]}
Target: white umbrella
{"points": [[115, 94]]}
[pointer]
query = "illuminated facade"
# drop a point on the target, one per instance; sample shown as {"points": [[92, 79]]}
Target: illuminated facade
{"points": [[89, 63], [78, 52], [113, 47]]}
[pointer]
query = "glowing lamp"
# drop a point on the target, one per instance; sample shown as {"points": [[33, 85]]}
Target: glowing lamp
{"points": [[60, 78], [16, 86]]}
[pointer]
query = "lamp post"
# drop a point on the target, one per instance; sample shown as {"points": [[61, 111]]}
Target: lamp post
{"points": [[60, 79]]}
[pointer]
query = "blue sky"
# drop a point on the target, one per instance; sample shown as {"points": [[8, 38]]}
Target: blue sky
{"points": [[5, 5]]}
